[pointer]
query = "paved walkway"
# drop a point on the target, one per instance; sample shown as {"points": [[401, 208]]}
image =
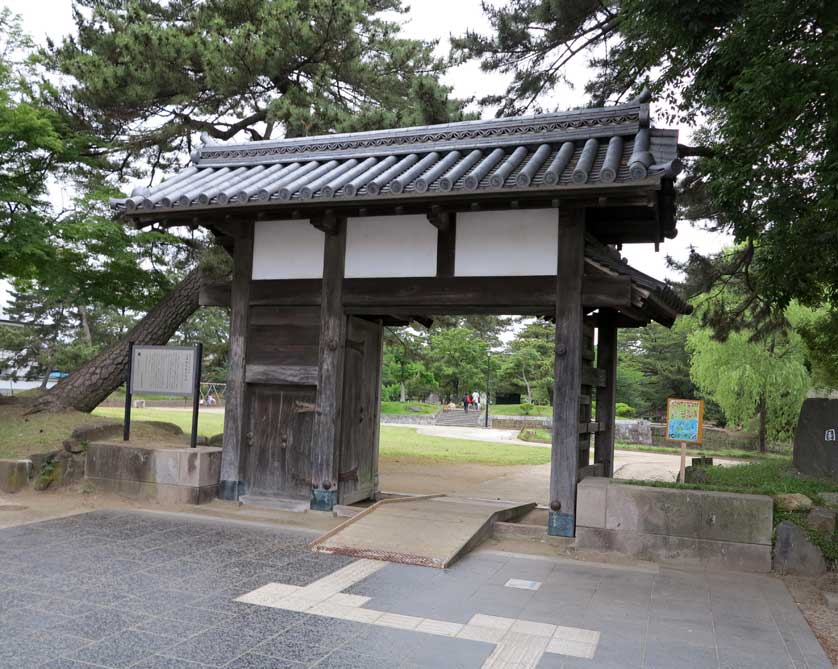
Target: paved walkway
{"points": [[154, 591]]}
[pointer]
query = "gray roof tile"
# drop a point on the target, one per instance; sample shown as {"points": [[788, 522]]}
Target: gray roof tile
{"points": [[586, 148]]}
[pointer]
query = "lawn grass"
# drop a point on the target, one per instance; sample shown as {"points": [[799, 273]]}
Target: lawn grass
{"points": [[209, 424], [542, 436], [409, 408], [23, 435], [515, 410], [400, 443]]}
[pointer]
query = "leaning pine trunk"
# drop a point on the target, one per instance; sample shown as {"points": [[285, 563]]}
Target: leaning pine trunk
{"points": [[90, 385]]}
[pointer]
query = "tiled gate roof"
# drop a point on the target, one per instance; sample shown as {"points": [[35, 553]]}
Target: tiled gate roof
{"points": [[566, 151]]}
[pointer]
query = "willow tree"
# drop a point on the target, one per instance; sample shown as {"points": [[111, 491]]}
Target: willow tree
{"points": [[151, 77]]}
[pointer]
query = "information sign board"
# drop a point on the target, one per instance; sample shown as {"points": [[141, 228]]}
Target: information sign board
{"points": [[163, 370], [684, 420]]}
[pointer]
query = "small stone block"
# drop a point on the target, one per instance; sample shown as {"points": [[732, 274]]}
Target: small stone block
{"points": [[822, 519], [439, 627], [478, 633], [493, 622], [576, 634], [532, 628], [591, 496], [831, 599], [571, 648], [368, 616], [522, 584], [14, 475], [399, 621]]}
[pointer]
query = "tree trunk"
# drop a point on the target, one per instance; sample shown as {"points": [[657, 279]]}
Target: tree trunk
{"points": [[763, 420], [402, 392], [91, 384], [85, 324], [526, 383]]}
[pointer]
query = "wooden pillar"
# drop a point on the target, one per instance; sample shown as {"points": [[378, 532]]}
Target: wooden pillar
{"points": [[564, 458], [327, 417], [607, 394], [235, 396]]}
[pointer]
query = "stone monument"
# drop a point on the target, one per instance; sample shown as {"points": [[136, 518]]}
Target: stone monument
{"points": [[816, 439]]}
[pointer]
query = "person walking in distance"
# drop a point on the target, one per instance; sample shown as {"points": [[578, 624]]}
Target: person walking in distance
{"points": [[475, 401], [466, 402]]}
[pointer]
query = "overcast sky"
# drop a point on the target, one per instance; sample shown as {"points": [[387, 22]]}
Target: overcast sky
{"points": [[53, 18]]}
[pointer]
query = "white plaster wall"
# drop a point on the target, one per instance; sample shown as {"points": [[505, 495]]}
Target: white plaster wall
{"points": [[390, 246], [507, 243], [287, 250]]}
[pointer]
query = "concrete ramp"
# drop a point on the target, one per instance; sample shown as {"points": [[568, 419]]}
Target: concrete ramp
{"points": [[431, 531]]}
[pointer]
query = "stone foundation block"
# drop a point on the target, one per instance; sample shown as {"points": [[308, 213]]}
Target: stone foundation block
{"points": [[685, 527], [14, 475], [168, 475]]}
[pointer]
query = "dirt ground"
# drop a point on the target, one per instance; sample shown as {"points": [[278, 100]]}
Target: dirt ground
{"points": [[808, 593], [522, 483]]}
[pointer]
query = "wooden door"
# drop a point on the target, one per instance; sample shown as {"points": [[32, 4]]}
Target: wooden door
{"points": [[278, 457], [358, 461]]}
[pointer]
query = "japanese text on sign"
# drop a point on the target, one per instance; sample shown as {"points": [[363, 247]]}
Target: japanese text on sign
{"points": [[163, 370], [684, 420]]}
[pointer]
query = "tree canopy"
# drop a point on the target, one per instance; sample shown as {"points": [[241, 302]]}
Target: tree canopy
{"points": [[251, 69], [756, 81]]}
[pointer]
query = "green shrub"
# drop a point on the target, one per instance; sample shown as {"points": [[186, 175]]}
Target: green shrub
{"points": [[527, 408], [625, 411]]}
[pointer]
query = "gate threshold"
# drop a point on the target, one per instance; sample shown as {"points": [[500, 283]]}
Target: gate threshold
{"points": [[428, 530]]}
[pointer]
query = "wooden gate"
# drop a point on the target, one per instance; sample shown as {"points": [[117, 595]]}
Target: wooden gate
{"points": [[358, 457], [278, 454]]}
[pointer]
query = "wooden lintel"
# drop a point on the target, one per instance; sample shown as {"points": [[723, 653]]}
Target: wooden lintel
{"points": [[429, 295], [304, 375]]}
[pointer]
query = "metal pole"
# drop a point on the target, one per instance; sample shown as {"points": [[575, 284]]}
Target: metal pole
{"points": [[488, 381], [196, 393], [126, 428]]}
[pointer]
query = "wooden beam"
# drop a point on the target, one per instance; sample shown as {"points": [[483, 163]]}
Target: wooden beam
{"points": [[304, 375], [592, 377], [235, 395], [446, 247], [440, 218], [327, 418], [567, 380], [606, 395], [437, 295]]}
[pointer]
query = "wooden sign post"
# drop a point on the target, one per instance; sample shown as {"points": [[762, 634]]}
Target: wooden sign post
{"points": [[684, 424], [164, 370]]}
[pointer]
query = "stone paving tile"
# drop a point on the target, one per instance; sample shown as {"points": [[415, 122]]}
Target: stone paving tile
{"points": [[420, 649], [64, 663], [123, 649], [25, 619], [256, 661], [162, 662], [173, 581], [176, 629], [215, 647], [312, 640], [99, 623], [346, 660]]}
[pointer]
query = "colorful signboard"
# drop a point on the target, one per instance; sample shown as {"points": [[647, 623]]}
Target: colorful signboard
{"points": [[684, 420]]}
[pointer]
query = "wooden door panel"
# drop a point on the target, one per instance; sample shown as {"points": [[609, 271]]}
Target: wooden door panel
{"points": [[278, 462], [358, 434]]}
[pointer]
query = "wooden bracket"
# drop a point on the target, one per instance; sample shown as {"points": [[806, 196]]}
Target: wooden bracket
{"points": [[327, 222], [439, 218]]}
